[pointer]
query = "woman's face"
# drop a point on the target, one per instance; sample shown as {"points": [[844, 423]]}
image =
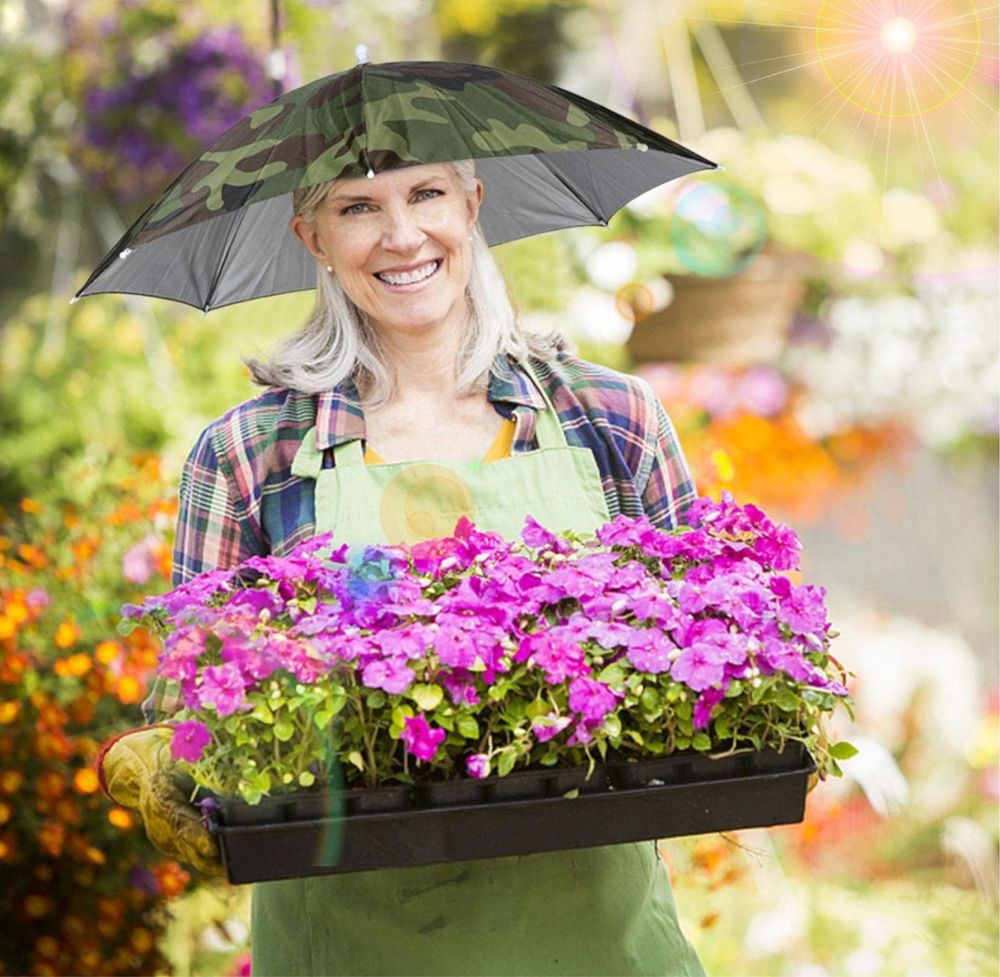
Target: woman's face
{"points": [[399, 244]]}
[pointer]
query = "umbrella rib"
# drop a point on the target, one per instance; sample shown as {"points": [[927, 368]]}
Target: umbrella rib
{"points": [[571, 190], [226, 249]]}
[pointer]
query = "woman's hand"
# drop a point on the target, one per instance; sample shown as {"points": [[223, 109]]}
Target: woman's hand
{"points": [[135, 772]]}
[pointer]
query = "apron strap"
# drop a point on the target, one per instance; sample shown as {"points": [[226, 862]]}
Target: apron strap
{"points": [[309, 459]]}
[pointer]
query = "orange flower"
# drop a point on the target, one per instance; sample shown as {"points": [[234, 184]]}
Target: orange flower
{"points": [[16, 608], [47, 946], [74, 926], [67, 634], [120, 818], [9, 711], [7, 627], [10, 781], [171, 878], [85, 780], [31, 506], [129, 690], [51, 838], [141, 940], [36, 906], [50, 784], [8, 847], [76, 665], [106, 652], [6, 812], [32, 555]]}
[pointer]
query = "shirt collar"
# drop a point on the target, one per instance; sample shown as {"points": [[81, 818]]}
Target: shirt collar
{"points": [[340, 418]]}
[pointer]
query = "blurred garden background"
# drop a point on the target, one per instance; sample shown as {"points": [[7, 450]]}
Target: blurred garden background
{"points": [[820, 319]]}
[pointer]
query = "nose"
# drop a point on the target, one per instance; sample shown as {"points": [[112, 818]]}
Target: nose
{"points": [[401, 231]]}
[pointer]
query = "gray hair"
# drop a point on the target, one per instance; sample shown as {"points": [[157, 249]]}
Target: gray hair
{"points": [[338, 341]]}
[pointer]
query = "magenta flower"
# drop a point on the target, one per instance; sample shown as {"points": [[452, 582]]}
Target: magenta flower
{"points": [[699, 666], [189, 741], [538, 537], [478, 766], [707, 701], [391, 675], [421, 739], [222, 689], [592, 699], [546, 727], [650, 651]]}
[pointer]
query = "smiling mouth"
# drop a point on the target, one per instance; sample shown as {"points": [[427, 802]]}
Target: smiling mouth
{"points": [[413, 277]]}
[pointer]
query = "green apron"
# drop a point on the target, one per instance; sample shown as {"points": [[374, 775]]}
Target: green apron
{"points": [[595, 911]]}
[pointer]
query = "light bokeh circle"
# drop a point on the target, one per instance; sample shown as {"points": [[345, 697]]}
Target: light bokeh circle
{"points": [[717, 229], [424, 501]]}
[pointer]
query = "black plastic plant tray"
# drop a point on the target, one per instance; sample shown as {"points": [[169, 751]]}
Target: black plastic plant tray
{"points": [[521, 814]]}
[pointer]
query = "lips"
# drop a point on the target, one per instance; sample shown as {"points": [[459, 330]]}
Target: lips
{"points": [[436, 262]]}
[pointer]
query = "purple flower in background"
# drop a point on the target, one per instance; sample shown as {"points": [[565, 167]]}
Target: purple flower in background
{"points": [[189, 741], [478, 766], [698, 667], [139, 562], [222, 689], [592, 699], [421, 739]]}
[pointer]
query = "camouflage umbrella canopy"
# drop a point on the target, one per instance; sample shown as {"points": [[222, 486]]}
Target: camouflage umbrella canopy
{"points": [[547, 158]]}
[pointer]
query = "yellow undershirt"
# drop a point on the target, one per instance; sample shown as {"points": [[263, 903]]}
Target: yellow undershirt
{"points": [[500, 448]]}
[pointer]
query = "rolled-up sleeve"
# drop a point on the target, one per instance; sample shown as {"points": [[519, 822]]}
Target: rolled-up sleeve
{"points": [[664, 481]]}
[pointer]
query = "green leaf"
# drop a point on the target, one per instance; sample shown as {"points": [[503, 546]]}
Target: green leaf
{"points": [[307, 779], [575, 792], [263, 713], [650, 699], [702, 741], [505, 761], [613, 675], [612, 726], [427, 697], [468, 727], [355, 758], [843, 750], [284, 729], [376, 699]]}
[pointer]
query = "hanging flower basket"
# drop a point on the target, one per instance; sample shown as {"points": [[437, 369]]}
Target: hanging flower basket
{"points": [[737, 320]]}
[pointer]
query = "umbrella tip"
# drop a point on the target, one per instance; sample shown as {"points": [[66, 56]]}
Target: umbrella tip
{"points": [[361, 54], [75, 298]]}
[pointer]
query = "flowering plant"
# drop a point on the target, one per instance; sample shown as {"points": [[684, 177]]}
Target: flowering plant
{"points": [[83, 890], [471, 654]]}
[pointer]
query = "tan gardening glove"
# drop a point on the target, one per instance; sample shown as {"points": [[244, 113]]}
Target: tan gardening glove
{"points": [[134, 770]]}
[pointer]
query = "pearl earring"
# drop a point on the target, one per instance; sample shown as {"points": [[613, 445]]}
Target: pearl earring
{"points": [[329, 268]]}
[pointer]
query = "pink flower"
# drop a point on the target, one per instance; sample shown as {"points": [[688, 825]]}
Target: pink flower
{"points": [[548, 726], [478, 765], [592, 699], [139, 562], [190, 740], [222, 689], [389, 674], [421, 739]]}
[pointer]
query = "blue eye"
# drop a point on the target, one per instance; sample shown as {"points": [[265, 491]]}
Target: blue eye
{"points": [[433, 193], [436, 193]]}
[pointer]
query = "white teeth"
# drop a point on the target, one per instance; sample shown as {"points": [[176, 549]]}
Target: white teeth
{"points": [[409, 277]]}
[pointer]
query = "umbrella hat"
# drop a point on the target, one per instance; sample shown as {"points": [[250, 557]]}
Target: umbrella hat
{"points": [[548, 159]]}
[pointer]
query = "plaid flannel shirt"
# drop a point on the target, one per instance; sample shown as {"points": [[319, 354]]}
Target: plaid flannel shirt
{"points": [[239, 498]]}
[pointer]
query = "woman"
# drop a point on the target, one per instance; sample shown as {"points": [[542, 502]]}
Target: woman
{"points": [[413, 353]]}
